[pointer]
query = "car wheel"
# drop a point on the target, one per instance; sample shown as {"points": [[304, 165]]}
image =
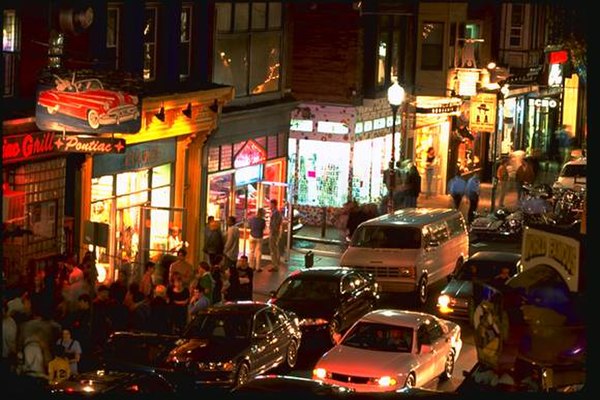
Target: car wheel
{"points": [[292, 354], [242, 375], [448, 367], [422, 291], [93, 119], [411, 381]]}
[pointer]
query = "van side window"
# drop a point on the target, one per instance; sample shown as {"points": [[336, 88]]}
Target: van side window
{"points": [[439, 232], [456, 225]]}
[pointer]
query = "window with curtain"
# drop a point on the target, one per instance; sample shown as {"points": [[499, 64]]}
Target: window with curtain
{"points": [[248, 46], [432, 46]]}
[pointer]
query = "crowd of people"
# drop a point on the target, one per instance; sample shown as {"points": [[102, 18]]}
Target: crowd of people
{"points": [[59, 324]]}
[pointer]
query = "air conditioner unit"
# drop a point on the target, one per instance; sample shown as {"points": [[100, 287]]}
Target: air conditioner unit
{"points": [[13, 206]]}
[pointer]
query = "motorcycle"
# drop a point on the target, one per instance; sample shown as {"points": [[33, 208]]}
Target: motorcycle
{"points": [[535, 207]]}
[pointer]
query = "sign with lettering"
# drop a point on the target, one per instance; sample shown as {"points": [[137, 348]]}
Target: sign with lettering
{"points": [[93, 145], [557, 251], [33, 145], [482, 115], [136, 157]]}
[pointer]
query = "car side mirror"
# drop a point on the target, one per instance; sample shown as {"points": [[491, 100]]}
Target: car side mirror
{"points": [[426, 348]]}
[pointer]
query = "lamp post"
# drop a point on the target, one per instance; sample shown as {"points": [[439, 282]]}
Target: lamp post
{"points": [[395, 95], [499, 129]]}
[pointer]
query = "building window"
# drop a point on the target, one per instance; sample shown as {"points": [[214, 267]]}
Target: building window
{"points": [[432, 49], [184, 41], [113, 31], [248, 46], [517, 17], [10, 50], [391, 49], [150, 44]]}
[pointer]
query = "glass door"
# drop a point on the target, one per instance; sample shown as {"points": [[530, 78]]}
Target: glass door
{"points": [[129, 239]]}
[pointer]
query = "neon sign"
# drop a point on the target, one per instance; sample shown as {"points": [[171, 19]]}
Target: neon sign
{"points": [[28, 146]]}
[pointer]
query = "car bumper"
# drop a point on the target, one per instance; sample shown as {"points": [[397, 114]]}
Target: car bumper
{"points": [[119, 114]]}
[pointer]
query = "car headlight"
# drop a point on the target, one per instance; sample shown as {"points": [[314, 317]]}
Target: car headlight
{"points": [[384, 381], [321, 373], [313, 321], [215, 366], [407, 272], [444, 303]]}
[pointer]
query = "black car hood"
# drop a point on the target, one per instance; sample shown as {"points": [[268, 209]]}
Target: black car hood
{"points": [[304, 308], [459, 289], [207, 350]]}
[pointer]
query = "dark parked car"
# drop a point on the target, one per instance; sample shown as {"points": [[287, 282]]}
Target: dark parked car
{"points": [[327, 300], [227, 344], [456, 298], [114, 384]]}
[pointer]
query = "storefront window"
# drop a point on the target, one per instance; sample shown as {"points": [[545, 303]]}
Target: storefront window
{"points": [[323, 173], [219, 192]]}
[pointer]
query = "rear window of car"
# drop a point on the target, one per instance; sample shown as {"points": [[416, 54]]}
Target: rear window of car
{"points": [[311, 288], [573, 170], [387, 237]]}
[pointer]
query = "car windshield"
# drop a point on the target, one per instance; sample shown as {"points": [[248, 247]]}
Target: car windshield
{"points": [[387, 237], [308, 288], [221, 325], [479, 270], [573, 170], [380, 337]]}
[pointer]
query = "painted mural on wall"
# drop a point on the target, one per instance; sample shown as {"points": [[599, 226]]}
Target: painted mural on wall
{"points": [[89, 101]]}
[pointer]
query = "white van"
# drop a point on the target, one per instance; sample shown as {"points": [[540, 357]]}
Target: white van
{"points": [[410, 249]]}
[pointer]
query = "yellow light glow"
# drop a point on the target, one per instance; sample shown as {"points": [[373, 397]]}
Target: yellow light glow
{"points": [[319, 373], [387, 381]]}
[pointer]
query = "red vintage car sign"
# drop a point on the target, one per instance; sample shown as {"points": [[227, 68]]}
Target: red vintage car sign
{"points": [[89, 101]]}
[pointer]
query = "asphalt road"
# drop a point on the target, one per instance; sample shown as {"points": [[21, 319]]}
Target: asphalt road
{"points": [[325, 254]]}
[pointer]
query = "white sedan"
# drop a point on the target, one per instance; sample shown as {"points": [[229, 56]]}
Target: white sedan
{"points": [[387, 350]]}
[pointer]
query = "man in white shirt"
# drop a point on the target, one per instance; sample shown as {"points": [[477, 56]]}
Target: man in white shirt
{"points": [[232, 242]]}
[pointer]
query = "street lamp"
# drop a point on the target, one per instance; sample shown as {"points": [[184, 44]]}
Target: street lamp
{"points": [[395, 95]]}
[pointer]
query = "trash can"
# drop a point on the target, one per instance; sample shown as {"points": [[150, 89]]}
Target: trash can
{"points": [[309, 259]]}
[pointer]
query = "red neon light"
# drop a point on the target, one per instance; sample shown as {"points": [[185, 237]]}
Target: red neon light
{"points": [[558, 57]]}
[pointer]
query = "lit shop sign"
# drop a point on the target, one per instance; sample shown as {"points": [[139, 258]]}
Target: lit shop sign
{"points": [[139, 156], [94, 145], [89, 101], [246, 175], [558, 251], [29, 146], [555, 75], [337, 128], [467, 82], [544, 102], [302, 125]]}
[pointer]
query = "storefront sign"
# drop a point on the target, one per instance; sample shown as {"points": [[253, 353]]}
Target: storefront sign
{"points": [[555, 75], [140, 156], [33, 145], [27, 146], [482, 115], [558, 251], [97, 145]]}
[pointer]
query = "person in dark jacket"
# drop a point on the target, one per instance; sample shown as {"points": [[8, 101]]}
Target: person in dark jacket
{"points": [[160, 312], [414, 185], [214, 243], [472, 192]]}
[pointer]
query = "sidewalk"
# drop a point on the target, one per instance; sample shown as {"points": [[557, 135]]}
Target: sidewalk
{"points": [[328, 246]]}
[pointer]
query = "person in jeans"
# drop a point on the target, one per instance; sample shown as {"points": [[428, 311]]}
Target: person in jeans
{"points": [[472, 192], [274, 235], [257, 230]]}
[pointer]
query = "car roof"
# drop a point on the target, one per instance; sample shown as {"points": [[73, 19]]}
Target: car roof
{"points": [[236, 307], [322, 272], [412, 319], [412, 216], [496, 256]]}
